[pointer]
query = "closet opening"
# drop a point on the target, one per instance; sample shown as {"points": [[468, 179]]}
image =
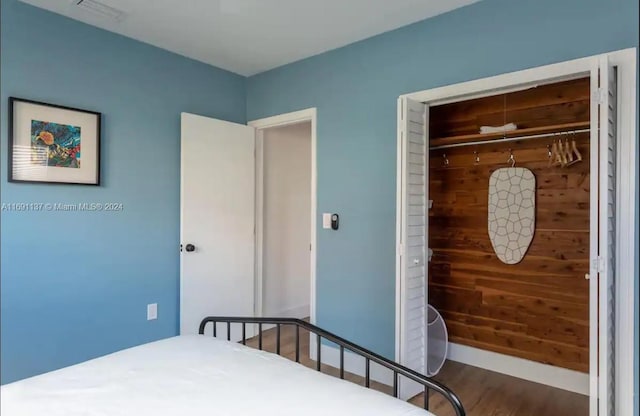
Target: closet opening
{"points": [[515, 220], [509, 225]]}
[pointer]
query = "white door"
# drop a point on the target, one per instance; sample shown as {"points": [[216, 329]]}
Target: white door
{"points": [[217, 191], [411, 235], [607, 246], [603, 239]]}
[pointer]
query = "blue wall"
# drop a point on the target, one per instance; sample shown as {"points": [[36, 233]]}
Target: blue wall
{"points": [[355, 90], [76, 285], [83, 280]]}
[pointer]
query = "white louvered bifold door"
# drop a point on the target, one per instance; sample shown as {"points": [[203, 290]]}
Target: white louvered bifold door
{"points": [[607, 236], [412, 238]]}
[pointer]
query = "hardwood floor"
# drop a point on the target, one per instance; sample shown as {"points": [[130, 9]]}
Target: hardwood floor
{"points": [[482, 392], [486, 393]]}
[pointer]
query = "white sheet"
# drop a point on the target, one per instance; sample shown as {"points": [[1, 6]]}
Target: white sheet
{"points": [[194, 376]]}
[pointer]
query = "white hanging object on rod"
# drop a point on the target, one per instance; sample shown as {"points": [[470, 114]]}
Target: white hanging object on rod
{"points": [[512, 193]]}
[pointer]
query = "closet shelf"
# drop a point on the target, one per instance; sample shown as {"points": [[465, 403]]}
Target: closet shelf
{"points": [[440, 141]]}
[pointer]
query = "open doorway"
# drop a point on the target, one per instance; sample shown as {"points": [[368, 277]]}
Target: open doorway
{"points": [[285, 255], [286, 220]]}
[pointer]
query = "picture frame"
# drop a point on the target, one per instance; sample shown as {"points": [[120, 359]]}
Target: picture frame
{"points": [[51, 143]]}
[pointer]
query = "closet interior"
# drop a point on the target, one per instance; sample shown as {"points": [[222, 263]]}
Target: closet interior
{"points": [[535, 306]]}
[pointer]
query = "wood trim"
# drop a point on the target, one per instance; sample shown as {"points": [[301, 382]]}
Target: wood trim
{"points": [[509, 82], [466, 138], [301, 116], [561, 378], [593, 248], [626, 294], [258, 299], [399, 172], [286, 119]]}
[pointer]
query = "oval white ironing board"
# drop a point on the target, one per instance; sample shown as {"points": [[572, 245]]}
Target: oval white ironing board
{"points": [[512, 211]]}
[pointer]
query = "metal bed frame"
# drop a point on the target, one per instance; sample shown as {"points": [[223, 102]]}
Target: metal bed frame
{"points": [[369, 356]]}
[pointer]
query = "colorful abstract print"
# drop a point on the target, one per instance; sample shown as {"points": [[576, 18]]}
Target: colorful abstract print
{"points": [[54, 144]]}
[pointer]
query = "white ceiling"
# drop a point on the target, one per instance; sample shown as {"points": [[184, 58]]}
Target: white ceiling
{"points": [[252, 36]]}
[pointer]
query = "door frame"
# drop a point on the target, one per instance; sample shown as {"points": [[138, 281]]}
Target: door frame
{"points": [[626, 203], [296, 117]]}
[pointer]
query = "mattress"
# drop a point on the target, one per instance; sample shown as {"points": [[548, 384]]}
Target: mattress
{"points": [[194, 376]]}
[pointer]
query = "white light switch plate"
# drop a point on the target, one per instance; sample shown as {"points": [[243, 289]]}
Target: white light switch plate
{"points": [[326, 221], [152, 311]]}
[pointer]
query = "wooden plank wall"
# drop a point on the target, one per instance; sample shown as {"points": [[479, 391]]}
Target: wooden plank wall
{"points": [[539, 308], [561, 103]]}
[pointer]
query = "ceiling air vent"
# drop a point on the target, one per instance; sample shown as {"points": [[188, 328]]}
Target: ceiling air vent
{"points": [[97, 8]]}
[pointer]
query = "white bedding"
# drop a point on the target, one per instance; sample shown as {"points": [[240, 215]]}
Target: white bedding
{"points": [[194, 376]]}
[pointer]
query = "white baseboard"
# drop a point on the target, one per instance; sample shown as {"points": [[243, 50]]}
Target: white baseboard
{"points": [[353, 363], [299, 312], [557, 377], [561, 378]]}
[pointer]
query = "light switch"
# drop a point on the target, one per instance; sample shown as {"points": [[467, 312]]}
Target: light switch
{"points": [[326, 221], [152, 311]]}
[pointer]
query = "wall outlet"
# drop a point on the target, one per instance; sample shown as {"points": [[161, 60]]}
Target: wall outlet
{"points": [[152, 311]]}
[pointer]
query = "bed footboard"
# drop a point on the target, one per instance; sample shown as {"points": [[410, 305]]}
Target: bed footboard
{"points": [[369, 356]]}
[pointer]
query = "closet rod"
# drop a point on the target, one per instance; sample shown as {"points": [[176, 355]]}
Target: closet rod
{"points": [[509, 139]]}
